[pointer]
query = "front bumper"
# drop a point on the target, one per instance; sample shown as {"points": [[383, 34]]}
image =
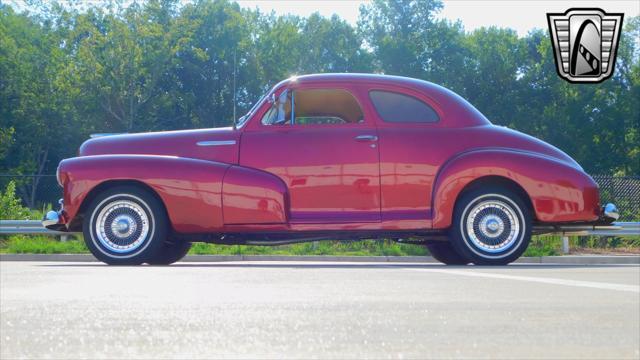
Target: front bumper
{"points": [[55, 220]]}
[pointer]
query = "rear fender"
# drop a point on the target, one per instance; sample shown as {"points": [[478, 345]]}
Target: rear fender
{"points": [[557, 191]]}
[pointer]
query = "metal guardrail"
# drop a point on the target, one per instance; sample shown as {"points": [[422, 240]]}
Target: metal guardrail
{"points": [[614, 229], [626, 229], [26, 227]]}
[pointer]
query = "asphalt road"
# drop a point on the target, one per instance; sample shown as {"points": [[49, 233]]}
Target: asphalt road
{"points": [[319, 310]]}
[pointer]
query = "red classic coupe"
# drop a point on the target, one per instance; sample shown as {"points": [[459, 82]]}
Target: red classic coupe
{"points": [[329, 156]]}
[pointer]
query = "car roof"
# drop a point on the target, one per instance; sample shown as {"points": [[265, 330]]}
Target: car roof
{"points": [[363, 78], [356, 77], [460, 112]]}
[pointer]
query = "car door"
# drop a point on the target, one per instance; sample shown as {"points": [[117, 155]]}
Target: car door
{"points": [[323, 147], [410, 142]]}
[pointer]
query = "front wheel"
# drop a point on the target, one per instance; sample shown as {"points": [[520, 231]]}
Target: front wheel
{"points": [[491, 226], [125, 225]]}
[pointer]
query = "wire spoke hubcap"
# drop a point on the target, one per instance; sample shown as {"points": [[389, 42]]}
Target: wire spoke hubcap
{"points": [[493, 226], [122, 226]]}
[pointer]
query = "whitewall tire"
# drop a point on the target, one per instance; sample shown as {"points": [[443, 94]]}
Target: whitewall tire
{"points": [[125, 225], [491, 226]]}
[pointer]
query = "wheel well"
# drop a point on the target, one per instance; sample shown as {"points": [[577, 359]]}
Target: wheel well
{"points": [[76, 223], [502, 182]]}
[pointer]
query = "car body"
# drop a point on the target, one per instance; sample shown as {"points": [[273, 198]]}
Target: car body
{"points": [[334, 156]]}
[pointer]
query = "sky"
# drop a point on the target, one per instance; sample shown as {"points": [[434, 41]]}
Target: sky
{"points": [[521, 15]]}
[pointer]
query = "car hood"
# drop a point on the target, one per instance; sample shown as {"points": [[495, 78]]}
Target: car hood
{"points": [[219, 144]]}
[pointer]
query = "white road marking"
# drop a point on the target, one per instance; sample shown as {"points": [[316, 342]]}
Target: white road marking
{"points": [[554, 281]]}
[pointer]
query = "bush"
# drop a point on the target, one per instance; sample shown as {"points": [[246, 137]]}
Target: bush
{"points": [[10, 206]]}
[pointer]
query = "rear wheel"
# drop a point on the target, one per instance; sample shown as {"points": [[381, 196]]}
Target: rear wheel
{"points": [[125, 225], [445, 253], [491, 226], [172, 251]]}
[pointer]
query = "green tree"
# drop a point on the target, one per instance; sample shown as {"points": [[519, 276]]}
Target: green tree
{"points": [[401, 34], [493, 67], [10, 205], [119, 60], [213, 38], [6, 139], [331, 45], [30, 102]]}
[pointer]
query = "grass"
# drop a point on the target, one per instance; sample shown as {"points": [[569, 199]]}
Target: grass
{"points": [[544, 246], [21, 244], [550, 245], [341, 248], [24, 244], [540, 246]]}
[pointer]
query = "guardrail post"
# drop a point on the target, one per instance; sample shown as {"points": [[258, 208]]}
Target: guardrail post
{"points": [[565, 244]]}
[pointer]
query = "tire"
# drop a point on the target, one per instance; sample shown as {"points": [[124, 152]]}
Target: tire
{"points": [[170, 253], [445, 253], [491, 226], [125, 225]]}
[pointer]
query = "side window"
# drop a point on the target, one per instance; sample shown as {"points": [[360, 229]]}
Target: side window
{"points": [[314, 107], [326, 107], [280, 111], [395, 107]]}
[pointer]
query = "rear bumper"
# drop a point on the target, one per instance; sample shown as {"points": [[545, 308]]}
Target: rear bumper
{"points": [[574, 229], [609, 213], [605, 223], [55, 220]]}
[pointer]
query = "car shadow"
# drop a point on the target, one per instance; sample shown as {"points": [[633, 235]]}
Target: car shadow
{"points": [[336, 265]]}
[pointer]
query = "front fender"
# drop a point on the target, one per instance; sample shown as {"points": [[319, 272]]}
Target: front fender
{"points": [[191, 189], [558, 192]]}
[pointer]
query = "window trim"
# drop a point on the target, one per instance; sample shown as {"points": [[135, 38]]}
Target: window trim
{"points": [[409, 93]]}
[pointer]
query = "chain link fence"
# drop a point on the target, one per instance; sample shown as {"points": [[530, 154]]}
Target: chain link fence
{"points": [[41, 191], [622, 191]]}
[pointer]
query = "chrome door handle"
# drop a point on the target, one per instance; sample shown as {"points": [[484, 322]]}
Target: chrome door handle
{"points": [[216, 142], [363, 138]]}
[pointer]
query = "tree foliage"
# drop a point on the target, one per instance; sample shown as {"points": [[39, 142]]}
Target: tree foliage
{"points": [[68, 71]]}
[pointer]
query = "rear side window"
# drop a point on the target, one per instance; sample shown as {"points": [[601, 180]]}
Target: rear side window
{"points": [[397, 108]]}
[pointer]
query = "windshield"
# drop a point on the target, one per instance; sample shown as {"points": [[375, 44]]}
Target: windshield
{"points": [[243, 119]]}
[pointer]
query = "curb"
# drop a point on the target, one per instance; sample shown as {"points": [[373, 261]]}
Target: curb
{"points": [[567, 259]]}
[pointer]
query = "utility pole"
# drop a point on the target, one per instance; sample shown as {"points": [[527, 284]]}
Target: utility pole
{"points": [[234, 89]]}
